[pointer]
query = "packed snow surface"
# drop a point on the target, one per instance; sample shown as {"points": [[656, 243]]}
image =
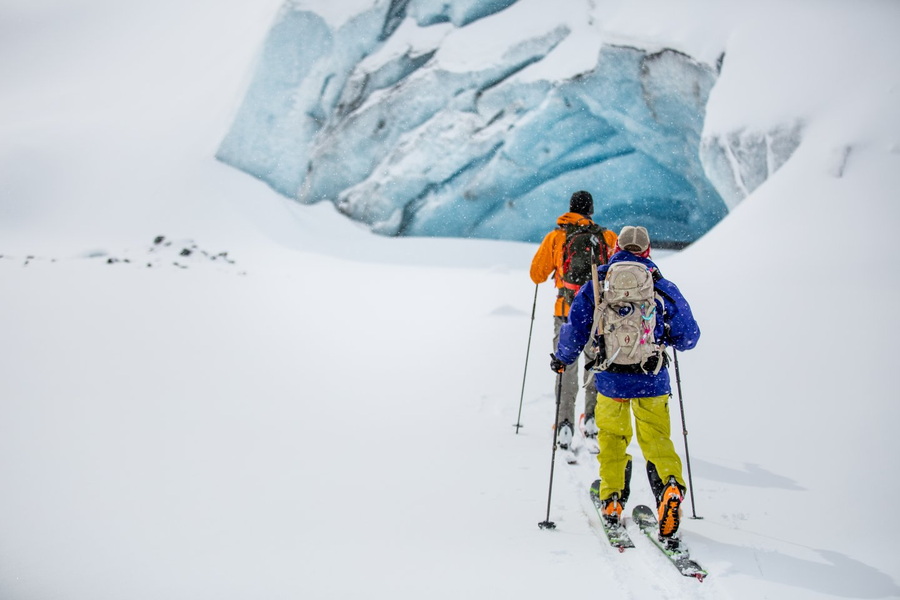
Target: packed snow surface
{"points": [[272, 402]]}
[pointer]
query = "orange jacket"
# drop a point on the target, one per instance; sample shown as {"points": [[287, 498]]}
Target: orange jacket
{"points": [[548, 258]]}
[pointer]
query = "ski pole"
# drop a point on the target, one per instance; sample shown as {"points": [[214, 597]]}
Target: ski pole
{"points": [[687, 454], [527, 352], [548, 524]]}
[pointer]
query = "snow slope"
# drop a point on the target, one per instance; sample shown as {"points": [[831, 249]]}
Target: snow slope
{"points": [[330, 415]]}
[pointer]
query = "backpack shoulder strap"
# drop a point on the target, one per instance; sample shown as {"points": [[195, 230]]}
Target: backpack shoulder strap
{"points": [[657, 276], [604, 248]]}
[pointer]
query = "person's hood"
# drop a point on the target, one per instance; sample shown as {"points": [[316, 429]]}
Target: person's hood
{"points": [[571, 218]]}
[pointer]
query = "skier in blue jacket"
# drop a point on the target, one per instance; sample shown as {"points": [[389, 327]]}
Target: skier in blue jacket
{"points": [[646, 394]]}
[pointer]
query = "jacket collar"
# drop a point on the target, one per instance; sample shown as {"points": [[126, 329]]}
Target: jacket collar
{"points": [[571, 218]]}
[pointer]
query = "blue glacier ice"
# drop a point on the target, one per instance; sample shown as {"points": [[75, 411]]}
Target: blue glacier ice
{"points": [[740, 161], [399, 142]]}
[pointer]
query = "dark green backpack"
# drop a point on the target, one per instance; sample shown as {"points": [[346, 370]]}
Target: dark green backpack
{"points": [[583, 243]]}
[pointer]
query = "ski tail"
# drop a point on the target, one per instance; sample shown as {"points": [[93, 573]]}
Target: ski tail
{"points": [[673, 548], [616, 534]]}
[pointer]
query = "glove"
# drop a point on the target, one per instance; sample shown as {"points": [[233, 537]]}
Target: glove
{"points": [[556, 365]]}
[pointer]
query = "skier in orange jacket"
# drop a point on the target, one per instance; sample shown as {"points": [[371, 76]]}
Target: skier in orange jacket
{"points": [[549, 260]]}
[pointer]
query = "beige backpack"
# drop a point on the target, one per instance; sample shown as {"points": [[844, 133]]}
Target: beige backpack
{"points": [[625, 315]]}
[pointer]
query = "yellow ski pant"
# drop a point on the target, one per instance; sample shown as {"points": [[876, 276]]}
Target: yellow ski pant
{"points": [[651, 420]]}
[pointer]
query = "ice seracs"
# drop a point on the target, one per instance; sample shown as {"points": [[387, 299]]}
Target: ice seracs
{"points": [[395, 118]]}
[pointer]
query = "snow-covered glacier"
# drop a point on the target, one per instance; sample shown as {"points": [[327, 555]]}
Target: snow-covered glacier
{"points": [[388, 116]]}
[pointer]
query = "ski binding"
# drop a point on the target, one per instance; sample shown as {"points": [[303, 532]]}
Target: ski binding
{"points": [[616, 534]]}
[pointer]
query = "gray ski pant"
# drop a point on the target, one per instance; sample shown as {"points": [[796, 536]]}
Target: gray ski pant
{"points": [[571, 382]]}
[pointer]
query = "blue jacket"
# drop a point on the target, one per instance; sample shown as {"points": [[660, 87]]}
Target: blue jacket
{"points": [[682, 334]]}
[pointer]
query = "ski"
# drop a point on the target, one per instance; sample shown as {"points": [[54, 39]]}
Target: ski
{"points": [[673, 549], [568, 451], [616, 534], [590, 442]]}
